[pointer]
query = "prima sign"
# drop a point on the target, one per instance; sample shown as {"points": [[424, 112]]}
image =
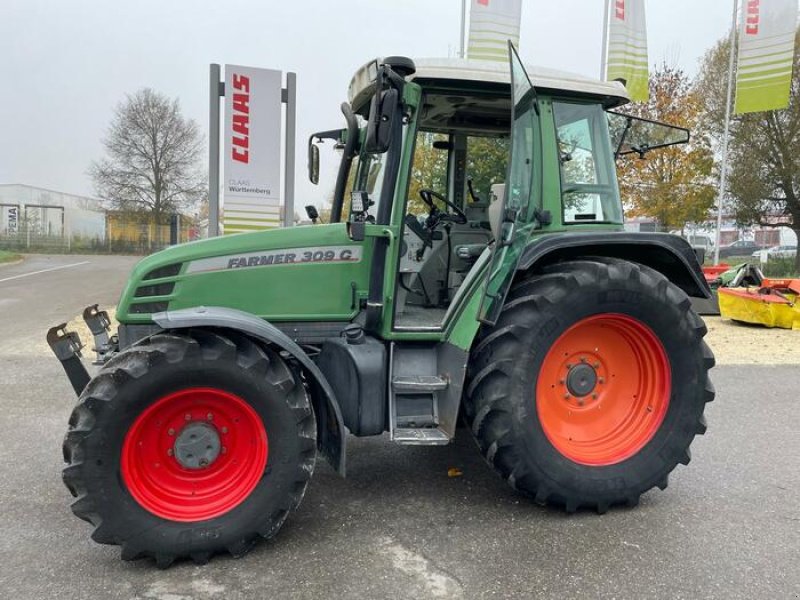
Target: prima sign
{"points": [[10, 218]]}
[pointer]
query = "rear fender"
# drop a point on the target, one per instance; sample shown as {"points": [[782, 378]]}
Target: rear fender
{"points": [[330, 426], [670, 255]]}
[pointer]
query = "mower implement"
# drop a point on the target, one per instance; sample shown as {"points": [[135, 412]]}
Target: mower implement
{"points": [[474, 268], [773, 303]]}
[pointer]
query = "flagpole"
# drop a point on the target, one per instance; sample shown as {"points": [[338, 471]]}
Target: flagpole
{"points": [[462, 53], [604, 51], [723, 178]]}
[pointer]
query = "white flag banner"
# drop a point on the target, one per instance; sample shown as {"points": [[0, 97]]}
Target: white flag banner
{"points": [[491, 24], [766, 55], [627, 47], [252, 149]]}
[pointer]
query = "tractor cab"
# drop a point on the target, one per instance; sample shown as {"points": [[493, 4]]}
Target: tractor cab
{"points": [[442, 175]]}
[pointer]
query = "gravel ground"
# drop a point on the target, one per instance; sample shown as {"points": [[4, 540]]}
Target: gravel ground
{"points": [[742, 344], [727, 527]]}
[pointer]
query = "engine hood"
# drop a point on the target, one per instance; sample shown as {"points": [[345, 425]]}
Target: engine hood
{"points": [[299, 273]]}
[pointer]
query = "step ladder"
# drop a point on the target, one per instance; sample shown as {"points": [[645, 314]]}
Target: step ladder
{"points": [[414, 396]]}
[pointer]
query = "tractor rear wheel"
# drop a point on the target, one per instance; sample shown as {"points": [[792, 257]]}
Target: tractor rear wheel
{"points": [[189, 444], [591, 386]]}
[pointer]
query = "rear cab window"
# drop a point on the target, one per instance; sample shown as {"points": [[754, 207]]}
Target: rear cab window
{"points": [[589, 192]]}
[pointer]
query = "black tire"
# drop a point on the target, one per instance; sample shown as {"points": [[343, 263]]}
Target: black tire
{"points": [[500, 400], [163, 364]]}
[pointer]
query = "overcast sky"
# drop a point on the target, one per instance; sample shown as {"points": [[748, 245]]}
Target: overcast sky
{"points": [[66, 63]]}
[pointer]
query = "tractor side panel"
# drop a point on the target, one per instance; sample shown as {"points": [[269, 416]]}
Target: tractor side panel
{"points": [[310, 273]]}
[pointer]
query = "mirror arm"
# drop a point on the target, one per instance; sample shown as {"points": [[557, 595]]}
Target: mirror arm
{"points": [[347, 160], [618, 151]]}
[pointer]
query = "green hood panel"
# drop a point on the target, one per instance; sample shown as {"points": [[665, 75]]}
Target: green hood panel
{"points": [[300, 273]]}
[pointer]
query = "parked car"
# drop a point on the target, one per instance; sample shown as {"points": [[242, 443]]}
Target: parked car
{"points": [[701, 241], [740, 248], [778, 252]]}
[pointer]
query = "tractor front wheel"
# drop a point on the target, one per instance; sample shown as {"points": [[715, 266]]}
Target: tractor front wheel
{"points": [[591, 386], [190, 444]]}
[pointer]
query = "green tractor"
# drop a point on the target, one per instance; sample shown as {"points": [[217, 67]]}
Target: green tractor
{"points": [[474, 269]]}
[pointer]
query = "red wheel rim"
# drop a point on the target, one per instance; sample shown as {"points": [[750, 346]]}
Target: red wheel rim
{"points": [[155, 469], [624, 367]]}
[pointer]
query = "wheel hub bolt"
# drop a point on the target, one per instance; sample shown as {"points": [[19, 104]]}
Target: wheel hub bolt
{"points": [[210, 417], [171, 431], [188, 417]]}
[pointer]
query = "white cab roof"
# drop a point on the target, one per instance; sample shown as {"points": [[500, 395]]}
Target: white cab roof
{"points": [[498, 72]]}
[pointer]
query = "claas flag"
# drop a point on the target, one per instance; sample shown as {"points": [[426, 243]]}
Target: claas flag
{"points": [[627, 47], [492, 23], [766, 55]]}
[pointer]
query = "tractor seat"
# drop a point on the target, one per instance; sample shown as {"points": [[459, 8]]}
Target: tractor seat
{"points": [[469, 253]]}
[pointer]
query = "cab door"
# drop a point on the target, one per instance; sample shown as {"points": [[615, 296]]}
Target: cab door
{"points": [[518, 213]]}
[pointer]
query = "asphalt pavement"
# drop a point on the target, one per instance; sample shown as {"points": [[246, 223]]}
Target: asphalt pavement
{"points": [[728, 525]]}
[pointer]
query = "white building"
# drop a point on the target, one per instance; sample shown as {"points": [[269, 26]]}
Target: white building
{"points": [[48, 212]]}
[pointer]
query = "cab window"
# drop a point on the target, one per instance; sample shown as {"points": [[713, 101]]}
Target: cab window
{"points": [[589, 192]]}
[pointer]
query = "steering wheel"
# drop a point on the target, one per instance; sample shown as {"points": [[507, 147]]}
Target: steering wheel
{"points": [[428, 196]]}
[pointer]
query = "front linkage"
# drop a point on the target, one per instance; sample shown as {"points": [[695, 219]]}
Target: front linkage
{"points": [[67, 346]]}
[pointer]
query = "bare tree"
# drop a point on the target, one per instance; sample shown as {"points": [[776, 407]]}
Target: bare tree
{"points": [[153, 157]]}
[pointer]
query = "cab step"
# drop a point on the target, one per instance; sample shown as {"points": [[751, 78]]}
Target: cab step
{"points": [[415, 393], [418, 384], [421, 436]]}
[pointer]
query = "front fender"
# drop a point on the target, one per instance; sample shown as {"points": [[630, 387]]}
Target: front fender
{"points": [[670, 255], [330, 426]]}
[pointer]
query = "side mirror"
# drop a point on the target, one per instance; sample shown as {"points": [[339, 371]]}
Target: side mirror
{"points": [[382, 111], [312, 212], [313, 162]]}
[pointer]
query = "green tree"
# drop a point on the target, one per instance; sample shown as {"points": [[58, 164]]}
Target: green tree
{"points": [[487, 161], [486, 164], [428, 171], [764, 148], [673, 184]]}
